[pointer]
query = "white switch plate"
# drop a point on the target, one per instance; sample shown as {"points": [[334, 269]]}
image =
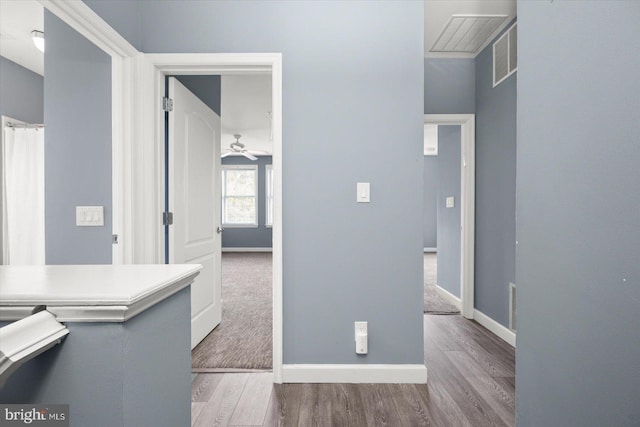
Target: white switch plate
{"points": [[90, 216], [450, 202], [363, 192]]}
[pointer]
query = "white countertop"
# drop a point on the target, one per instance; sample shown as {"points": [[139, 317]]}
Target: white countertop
{"points": [[90, 293]]}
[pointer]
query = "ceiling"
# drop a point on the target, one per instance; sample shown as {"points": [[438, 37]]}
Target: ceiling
{"points": [[245, 109], [438, 13], [17, 19]]}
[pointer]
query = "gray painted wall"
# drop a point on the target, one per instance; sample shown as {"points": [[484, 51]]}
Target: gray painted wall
{"points": [[449, 86], [495, 189], [261, 236], [77, 110], [337, 88], [108, 373], [207, 88], [21, 92], [578, 205], [157, 355], [21, 98], [124, 12], [430, 200], [449, 153], [64, 373]]}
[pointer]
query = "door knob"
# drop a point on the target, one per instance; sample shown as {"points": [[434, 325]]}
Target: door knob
{"points": [[219, 229]]}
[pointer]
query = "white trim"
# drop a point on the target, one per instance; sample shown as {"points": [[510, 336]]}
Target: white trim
{"points": [[247, 249], [512, 291], [430, 250], [10, 314], [268, 194], [451, 298], [153, 69], [360, 373], [25, 339], [85, 21], [500, 331], [467, 202], [115, 313], [99, 313], [451, 55]]}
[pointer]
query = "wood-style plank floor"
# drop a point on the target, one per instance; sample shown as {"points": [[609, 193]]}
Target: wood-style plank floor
{"points": [[471, 383]]}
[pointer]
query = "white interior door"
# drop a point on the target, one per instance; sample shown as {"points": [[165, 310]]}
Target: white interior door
{"points": [[194, 199]]}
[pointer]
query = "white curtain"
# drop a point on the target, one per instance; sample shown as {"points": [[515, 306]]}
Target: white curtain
{"points": [[23, 196]]}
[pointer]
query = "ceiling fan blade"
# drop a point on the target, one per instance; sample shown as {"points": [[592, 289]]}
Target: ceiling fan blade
{"points": [[248, 155], [259, 153], [223, 155]]}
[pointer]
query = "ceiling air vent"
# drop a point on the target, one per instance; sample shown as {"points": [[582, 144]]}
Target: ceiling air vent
{"points": [[467, 33], [505, 55]]}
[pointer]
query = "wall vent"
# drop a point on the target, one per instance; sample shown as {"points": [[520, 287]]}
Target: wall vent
{"points": [[505, 55], [467, 33], [512, 307]]}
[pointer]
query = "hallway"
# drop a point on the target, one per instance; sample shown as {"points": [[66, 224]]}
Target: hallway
{"points": [[471, 382]]}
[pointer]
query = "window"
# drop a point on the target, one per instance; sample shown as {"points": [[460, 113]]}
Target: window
{"points": [[240, 195], [269, 195]]}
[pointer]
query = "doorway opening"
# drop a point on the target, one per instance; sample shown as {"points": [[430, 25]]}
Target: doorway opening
{"points": [[449, 213], [241, 298], [162, 65], [441, 233]]}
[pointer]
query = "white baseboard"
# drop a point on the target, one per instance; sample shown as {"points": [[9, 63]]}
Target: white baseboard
{"points": [[429, 250], [501, 331], [391, 374], [247, 249], [449, 297]]}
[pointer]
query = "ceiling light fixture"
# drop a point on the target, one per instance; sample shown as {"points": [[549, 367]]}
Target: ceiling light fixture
{"points": [[38, 39]]}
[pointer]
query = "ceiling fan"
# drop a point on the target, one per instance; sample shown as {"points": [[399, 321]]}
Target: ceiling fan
{"points": [[237, 148]]}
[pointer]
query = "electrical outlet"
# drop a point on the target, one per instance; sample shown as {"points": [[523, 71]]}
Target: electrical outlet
{"points": [[361, 328], [361, 337]]}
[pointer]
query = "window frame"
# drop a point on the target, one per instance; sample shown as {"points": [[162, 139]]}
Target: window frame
{"points": [[268, 196], [256, 196]]}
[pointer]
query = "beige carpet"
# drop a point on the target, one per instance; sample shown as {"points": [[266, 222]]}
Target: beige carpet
{"points": [[433, 302], [243, 338]]}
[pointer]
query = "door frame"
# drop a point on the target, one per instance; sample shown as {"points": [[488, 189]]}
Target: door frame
{"points": [[155, 68], [467, 203], [138, 154]]}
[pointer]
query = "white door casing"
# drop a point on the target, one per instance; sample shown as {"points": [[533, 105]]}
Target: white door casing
{"points": [[194, 199], [138, 136], [153, 69], [467, 205]]}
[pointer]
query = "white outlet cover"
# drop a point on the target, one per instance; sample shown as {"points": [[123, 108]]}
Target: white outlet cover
{"points": [[361, 328], [450, 202], [361, 338]]}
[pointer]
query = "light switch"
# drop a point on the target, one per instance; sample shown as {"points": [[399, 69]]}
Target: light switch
{"points": [[89, 216], [363, 192], [449, 202]]}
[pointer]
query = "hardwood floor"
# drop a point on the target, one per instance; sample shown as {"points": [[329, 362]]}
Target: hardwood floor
{"points": [[471, 383]]}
